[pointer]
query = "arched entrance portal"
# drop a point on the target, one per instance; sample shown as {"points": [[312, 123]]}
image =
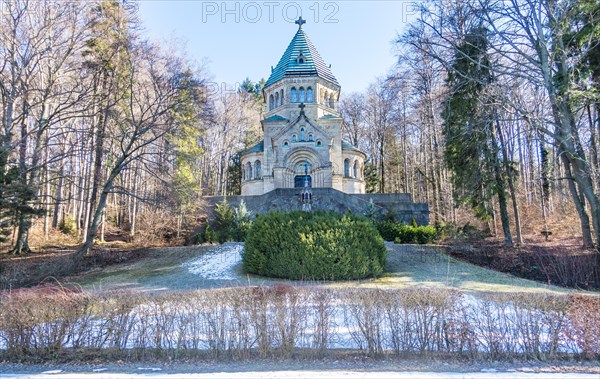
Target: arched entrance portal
{"points": [[302, 174], [302, 164]]}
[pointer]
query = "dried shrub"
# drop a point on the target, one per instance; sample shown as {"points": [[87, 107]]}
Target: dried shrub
{"points": [[507, 325], [581, 270], [584, 328], [283, 321], [43, 321]]}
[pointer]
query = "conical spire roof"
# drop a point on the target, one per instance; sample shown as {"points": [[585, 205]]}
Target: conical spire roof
{"points": [[301, 58]]}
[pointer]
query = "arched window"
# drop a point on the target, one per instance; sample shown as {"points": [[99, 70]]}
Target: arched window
{"points": [[355, 169], [286, 144], [301, 95], [347, 168], [319, 143], [257, 173], [331, 101], [309, 95], [248, 171], [294, 138], [277, 99], [281, 97], [310, 137], [271, 102], [325, 98], [293, 95], [302, 135]]}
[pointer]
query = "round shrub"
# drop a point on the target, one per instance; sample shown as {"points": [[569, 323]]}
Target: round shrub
{"points": [[402, 233], [313, 246], [417, 234]]}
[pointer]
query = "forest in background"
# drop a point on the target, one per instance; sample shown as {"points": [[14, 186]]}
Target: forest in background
{"points": [[491, 113]]}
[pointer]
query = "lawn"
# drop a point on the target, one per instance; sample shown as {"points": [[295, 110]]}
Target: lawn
{"points": [[216, 266]]}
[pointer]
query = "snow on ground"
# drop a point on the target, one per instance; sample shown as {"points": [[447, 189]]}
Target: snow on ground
{"points": [[306, 374], [220, 263]]}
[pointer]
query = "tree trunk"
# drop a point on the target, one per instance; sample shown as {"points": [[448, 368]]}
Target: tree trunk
{"points": [[99, 144], [93, 229], [500, 189], [47, 194], [579, 205], [511, 184], [24, 222], [58, 204], [567, 134]]}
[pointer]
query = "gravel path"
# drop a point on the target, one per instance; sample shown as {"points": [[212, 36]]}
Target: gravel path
{"points": [[350, 367], [308, 375]]}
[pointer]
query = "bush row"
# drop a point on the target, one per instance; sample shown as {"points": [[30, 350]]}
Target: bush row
{"points": [[283, 320], [313, 246], [402, 233], [232, 225]]}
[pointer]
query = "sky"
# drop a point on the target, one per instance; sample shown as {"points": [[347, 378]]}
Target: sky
{"points": [[239, 39]]}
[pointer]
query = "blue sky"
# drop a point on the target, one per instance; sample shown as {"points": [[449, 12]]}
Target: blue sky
{"points": [[239, 39]]}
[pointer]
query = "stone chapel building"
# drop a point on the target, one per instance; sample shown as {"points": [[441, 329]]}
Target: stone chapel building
{"points": [[302, 129], [302, 163]]}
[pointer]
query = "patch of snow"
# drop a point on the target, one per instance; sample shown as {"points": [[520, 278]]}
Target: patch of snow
{"points": [[99, 369], [218, 263], [52, 372], [149, 368]]}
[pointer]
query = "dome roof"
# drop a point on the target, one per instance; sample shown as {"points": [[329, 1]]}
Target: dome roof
{"points": [[300, 59]]}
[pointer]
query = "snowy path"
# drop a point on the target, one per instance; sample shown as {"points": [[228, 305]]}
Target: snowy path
{"points": [[306, 374], [220, 263]]}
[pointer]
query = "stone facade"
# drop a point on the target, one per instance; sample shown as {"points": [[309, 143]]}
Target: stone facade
{"points": [[328, 199], [302, 130]]}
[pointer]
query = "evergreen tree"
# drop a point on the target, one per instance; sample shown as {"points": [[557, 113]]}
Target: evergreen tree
{"points": [[254, 88], [8, 177], [16, 200], [472, 151], [185, 138], [372, 178], [234, 175]]}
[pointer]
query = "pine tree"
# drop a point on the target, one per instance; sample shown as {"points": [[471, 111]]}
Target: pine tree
{"points": [[472, 151], [234, 175], [8, 176], [17, 201], [186, 138]]}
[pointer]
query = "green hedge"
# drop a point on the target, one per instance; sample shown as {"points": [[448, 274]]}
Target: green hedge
{"points": [[313, 246], [402, 233]]}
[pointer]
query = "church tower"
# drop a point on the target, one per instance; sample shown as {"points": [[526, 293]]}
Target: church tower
{"points": [[302, 129]]}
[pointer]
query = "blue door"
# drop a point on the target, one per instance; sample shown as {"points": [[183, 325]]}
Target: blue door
{"points": [[300, 179]]}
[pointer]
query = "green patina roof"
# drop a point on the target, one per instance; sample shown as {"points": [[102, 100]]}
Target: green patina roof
{"points": [[329, 116], [348, 146], [275, 118], [313, 63], [258, 148]]}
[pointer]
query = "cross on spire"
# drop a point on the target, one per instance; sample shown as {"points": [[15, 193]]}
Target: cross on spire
{"points": [[301, 106], [299, 22]]}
